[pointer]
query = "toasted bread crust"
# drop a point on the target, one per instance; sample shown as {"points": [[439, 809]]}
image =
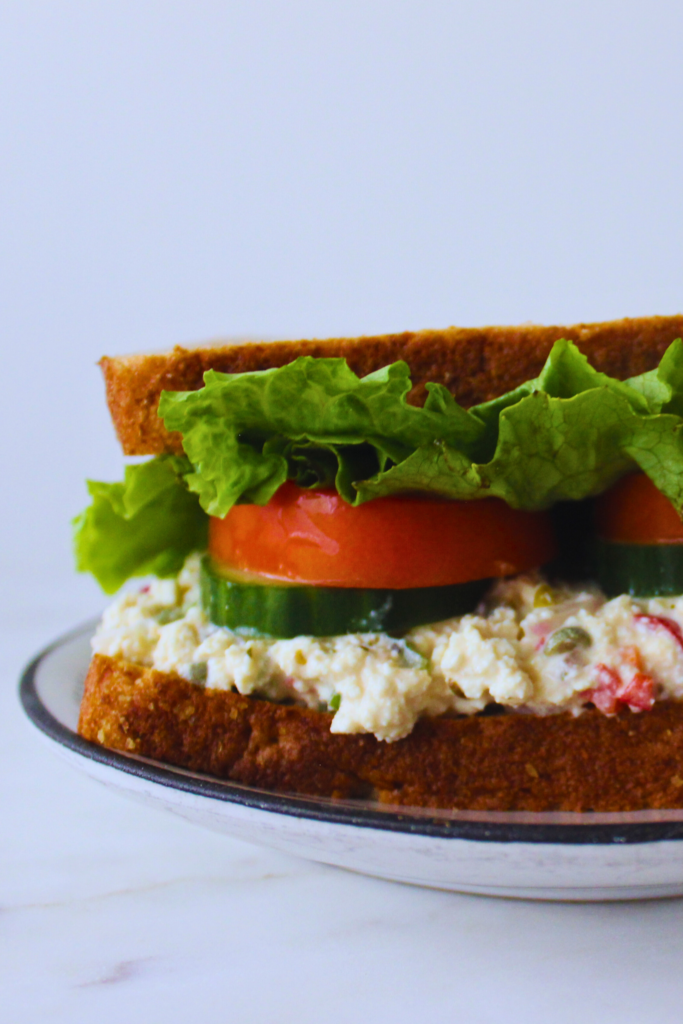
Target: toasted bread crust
{"points": [[475, 364], [506, 762]]}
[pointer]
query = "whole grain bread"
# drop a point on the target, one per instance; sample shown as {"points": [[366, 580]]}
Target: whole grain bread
{"points": [[505, 762], [475, 364]]}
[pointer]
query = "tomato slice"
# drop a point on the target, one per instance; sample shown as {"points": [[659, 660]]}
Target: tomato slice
{"points": [[314, 536], [635, 512]]}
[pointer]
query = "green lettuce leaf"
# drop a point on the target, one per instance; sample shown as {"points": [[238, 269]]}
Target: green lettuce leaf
{"points": [[245, 434], [148, 524], [663, 388], [566, 435], [548, 450]]}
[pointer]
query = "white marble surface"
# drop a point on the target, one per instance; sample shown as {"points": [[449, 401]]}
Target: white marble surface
{"points": [[109, 911]]}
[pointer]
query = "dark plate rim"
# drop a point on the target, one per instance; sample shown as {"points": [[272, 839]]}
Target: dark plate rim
{"points": [[512, 827]]}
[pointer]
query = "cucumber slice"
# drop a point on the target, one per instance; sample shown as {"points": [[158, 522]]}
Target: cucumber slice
{"points": [[642, 570], [286, 610]]}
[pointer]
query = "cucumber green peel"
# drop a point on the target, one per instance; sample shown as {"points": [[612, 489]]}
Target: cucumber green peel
{"points": [[288, 610], [641, 570]]}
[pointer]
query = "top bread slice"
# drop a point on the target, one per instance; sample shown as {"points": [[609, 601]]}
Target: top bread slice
{"points": [[475, 364]]}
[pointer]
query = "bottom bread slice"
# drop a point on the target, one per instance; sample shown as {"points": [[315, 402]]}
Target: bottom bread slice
{"points": [[520, 762]]}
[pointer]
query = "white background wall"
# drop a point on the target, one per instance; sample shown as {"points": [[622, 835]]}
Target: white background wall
{"points": [[173, 171]]}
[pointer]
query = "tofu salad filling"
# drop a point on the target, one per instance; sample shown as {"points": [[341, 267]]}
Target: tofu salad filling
{"points": [[528, 648]]}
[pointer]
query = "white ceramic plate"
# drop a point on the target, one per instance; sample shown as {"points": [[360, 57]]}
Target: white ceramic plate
{"points": [[543, 856]]}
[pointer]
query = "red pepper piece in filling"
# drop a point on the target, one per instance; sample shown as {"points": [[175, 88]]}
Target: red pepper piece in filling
{"points": [[659, 622], [604, 693], [611, 691], [639, 693]]}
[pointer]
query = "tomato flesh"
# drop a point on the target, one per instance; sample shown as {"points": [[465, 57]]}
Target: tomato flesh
{"points": [[635, 512], [315, 537]]}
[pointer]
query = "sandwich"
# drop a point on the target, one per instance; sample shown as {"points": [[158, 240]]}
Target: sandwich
{"points": [[440, 569]]}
